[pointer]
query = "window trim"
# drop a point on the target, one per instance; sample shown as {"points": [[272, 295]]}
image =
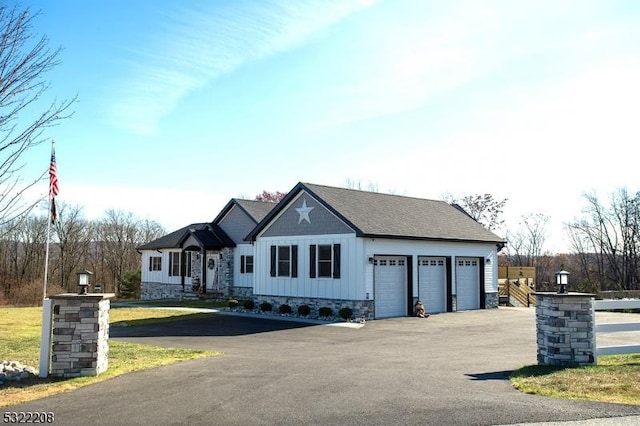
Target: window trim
{"points": [[314, 261], [155, 263], [276, 262]]}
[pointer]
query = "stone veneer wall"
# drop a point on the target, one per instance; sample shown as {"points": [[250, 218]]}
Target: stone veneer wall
{"points": [[491, 300], [80, 334], [565, 325], [226, 271], [361, 308], [241, 293], [155, 291]]}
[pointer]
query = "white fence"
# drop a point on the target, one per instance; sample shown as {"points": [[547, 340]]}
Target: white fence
{"points": [[602, 305]]}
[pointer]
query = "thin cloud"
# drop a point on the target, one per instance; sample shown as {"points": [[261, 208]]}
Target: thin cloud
{"points": [[198, 45]]}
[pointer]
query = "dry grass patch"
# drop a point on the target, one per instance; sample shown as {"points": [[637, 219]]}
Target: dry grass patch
{"points": [[20, 340], [615, 379]]}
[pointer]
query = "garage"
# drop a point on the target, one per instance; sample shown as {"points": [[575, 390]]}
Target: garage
{"points": [[467, 284], [432, 283], [390, 281]]}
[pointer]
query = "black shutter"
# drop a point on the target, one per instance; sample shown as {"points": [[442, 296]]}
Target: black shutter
{"points": [[273, 261], [150, 260], [336, 261], [294, 261], [312, 261], [242, 264]]}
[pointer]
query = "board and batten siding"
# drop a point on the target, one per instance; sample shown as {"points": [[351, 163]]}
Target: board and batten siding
{"points": [[161, 276], [236, 224], [380, 246], [239, 279], [350, 285]]}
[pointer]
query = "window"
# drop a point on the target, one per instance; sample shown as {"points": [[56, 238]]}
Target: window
{"points": [[179, 265], [187, 263], [324, 261], [284, 261], [155, 263], [246, 264], [174, 264]]}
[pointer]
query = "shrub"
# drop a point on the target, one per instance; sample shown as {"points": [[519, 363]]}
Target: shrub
{"points": [[325, 311], [345, 313], [284, 309], [266, 307], [232, 303], [249, 305], [304, 310]]}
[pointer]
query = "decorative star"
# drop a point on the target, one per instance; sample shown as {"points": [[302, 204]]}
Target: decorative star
{"points": [[304, 212]]}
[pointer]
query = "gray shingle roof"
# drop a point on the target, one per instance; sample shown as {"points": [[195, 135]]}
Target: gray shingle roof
{"points": [[373, 214], [256, 209], [211, 236]]}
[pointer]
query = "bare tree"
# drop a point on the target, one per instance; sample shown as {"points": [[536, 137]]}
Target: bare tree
{"points": [[74, 235], [482, 207], [607, 240], [24, 61]]}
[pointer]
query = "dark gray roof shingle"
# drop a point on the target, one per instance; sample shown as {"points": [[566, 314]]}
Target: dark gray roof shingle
{"points": [[386, 215]]}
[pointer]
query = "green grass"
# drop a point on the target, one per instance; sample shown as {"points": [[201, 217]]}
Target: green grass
{"points": [[616, 378], [20, 340]]}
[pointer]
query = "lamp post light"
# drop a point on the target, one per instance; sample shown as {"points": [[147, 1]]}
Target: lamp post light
{"points": [[83, 281], [562, 280]]}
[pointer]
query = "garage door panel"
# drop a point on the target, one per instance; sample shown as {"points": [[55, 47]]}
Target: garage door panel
{"points": [[390, 278], [432, 284], [468, 284]]}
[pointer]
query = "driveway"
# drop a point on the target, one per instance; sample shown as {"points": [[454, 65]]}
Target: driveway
{"points": [[449, 369]]}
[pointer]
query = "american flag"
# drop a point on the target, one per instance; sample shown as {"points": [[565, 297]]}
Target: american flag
{"points": [[53, 184], [53, 175]]}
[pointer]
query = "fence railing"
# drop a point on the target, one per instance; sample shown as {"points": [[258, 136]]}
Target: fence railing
{"points": [[604, 305], [520, 292]]}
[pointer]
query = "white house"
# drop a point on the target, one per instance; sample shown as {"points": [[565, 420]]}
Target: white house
{"points": [[375, 253], [204, 257]]}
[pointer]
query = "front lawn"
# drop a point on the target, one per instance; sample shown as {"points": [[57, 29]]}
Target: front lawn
{"points": [[20, 330], [616, 378]]}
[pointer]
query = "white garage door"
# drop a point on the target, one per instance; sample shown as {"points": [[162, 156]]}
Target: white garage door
{"points": [[432, 284], [467, 284], [390, 280]]}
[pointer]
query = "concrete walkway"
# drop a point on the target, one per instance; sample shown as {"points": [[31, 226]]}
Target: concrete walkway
{"points": [[449, 369]]}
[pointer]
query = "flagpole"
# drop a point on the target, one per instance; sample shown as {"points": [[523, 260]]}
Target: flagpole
{"points": [[45, 332], [46, 256]]}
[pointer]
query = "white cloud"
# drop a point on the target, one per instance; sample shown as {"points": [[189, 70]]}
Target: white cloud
{"points": [[198, 45]]}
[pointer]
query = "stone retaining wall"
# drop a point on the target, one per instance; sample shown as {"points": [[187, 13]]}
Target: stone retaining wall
{"points": [[565, 325]]}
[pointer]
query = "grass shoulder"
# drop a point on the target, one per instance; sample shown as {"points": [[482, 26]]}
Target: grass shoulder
{"points": [[20, 340], [615, 379]]}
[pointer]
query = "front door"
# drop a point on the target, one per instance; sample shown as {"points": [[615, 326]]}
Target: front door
{"points": [[212, 266]]}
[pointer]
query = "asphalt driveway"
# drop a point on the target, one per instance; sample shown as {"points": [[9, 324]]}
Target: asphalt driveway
{"points": [[449, 369]]}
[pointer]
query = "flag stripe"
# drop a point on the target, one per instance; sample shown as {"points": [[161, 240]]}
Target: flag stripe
{"points": [[53, 175]]}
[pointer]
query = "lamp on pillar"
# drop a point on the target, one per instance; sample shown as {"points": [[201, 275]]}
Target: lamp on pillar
{"points": [[83, 281], [562, 280]]}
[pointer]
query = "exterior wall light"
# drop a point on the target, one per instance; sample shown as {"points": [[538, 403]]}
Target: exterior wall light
{"points": [[83, 281], [562, 280]]}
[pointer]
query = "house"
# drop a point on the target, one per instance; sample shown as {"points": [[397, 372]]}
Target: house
{"points": [[377, 254], [204, 257]]}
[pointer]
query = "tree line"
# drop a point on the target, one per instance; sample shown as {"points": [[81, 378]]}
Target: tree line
{"points": [[106, 247], [604, 251]]}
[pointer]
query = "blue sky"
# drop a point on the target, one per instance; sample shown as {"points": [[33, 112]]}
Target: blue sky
{"points": [[184, 105]]}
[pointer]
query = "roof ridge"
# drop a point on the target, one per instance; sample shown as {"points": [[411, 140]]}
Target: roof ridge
{"points": [[374, 192]]}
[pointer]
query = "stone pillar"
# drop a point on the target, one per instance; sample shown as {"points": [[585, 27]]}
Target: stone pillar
{"points": [[80, 334], [565, 325]]}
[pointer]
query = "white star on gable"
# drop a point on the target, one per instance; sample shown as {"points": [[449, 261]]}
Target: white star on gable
{"points": [[304, 212]]}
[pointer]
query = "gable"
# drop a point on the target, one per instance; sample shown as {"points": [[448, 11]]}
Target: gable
{"points": [[236, 224], [305, 216]]}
